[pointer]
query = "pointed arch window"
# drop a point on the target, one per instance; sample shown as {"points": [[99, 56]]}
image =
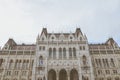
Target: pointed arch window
{"points": [[24, 64], [60, 52], [54, 52], [104, 62], [64, 52], [84, 60], [80, 38], [100, 64], [112, 62], [1, 61], [107, 62], [50, 52], [74, 52], [70, 52], [16, 64], [40, 61], [10, 64]]}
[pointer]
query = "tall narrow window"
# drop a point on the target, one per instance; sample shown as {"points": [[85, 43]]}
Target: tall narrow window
{"points": [[50, 52], [106, 60], [100, 64], [84, 60], [112, 62], [64, 52], [1, 61], [70, 53], [74, 52], [40, 61], [19, 64], [27, 64], [23, 66], [32, 63], [54, 52], [60, 52], [16, 64], [96, 61], [11, 63]]}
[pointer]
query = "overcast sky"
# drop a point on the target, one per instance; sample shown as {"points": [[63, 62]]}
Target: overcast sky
{"points": [[22, 20]]}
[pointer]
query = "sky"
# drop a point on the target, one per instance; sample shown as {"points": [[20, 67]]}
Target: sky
{"points": [[23, 20]]}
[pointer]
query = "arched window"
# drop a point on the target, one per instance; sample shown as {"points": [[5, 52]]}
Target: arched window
{"points": [[106, 60], [80, 38], [40, 61], [1, 61], [112, 62], [70, 53], [16, 64], [54, 52], [50, 52], [27, 64], [60, 52], [84, 60], [10, 64], [19, 64], [24, 62], [64, 52], [74, 52], [100, 64]]}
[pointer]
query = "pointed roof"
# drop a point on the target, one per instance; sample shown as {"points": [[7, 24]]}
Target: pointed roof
{"points": [[78, 31], [44, 30], [11, 42], [110, 41]]}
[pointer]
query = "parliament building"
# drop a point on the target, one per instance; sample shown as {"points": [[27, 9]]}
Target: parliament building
{"points": [[60, 56]]}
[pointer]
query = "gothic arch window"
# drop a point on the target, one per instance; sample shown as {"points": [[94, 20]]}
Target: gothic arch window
{"points": [[64, 52], [112, 62], [80, 38], [40, 60], [54, 52], [32, 63], [16, 64], [24, 62], [52, 75], [74, 52], [74, 74], [100, 64], [70, 52], [10, 64], [84, 60], [1, 61], [27, 64], [53, 38], [96, 61], [106, 60], [50, 52], [19, 64], [71, 38], [60, 52]]}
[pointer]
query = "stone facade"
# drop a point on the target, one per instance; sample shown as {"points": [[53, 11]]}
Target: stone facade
{"points": [[60, 56]]}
